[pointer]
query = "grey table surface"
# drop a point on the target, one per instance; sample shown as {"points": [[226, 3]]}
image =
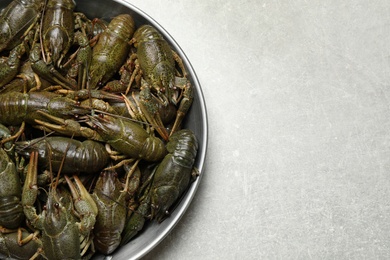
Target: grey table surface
{"points": [[297, 94]]}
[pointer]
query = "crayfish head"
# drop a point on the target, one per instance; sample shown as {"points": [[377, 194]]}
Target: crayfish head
{"points": [[55, 215], [108, 184], [56, 41], [105, 125]]}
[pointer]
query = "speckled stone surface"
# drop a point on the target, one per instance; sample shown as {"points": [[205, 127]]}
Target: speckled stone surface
{"points": [[297, 94]]}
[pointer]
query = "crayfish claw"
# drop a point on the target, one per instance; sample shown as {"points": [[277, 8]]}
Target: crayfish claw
{"points": [[67, 127], [149, 108], [84, 204], [30, 190]]}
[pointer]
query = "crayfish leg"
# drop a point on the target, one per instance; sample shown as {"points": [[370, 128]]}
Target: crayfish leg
{"points": [[180, 63]]}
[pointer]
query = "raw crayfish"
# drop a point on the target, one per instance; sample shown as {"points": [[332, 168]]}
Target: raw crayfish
{"points": [[16, 107], [111, 49], [11, 211], [60, 230], [58, 29], [111, 200], [156, 61], [166, 184], [80, 157], [129, 138], [174, 172], [16, 20]]}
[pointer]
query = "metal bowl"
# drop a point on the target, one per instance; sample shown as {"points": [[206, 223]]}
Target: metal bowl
{"points": [[196, 120]]}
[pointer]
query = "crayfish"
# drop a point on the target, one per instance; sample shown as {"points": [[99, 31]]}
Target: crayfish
{"points": [[157, 63], [60, 230]]}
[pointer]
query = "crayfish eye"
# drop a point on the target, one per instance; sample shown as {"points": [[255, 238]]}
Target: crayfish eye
{"points": [[56, 205]]}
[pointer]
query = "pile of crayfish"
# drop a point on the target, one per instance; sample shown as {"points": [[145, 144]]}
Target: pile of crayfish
{"points": [[92, 144]]}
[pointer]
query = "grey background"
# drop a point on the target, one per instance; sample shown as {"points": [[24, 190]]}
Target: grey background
{"points": [[298, 159]]}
